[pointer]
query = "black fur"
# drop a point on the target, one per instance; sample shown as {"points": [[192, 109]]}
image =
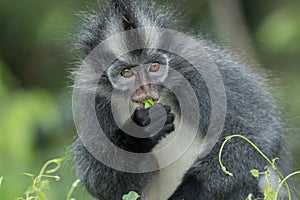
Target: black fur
{"points": [[251, 111], [141, 117]]}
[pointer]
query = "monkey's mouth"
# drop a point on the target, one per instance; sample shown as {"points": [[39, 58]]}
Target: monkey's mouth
{"points": [[141, 104], [145, 93]]}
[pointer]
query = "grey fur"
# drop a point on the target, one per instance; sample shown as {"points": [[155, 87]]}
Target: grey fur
{"points": [[251, 111]]}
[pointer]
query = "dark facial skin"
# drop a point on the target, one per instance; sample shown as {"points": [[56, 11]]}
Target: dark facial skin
{"points": [[142, 81]]}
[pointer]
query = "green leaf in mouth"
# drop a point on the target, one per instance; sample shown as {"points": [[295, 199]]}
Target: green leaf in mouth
{"points": [[148, 103]]}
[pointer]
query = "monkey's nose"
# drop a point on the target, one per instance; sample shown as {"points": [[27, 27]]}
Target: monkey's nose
{"points": [[145, 87]]}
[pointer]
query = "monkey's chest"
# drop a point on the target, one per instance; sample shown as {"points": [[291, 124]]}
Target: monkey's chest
{"points": [[165, 181]]}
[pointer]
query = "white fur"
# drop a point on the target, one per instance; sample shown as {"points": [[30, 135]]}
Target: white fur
{"points": [[274, 179], [165, 181]]}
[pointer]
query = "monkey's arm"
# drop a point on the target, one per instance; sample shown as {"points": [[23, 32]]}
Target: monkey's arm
{"points": [[106, 183], [102, 181], [206, 180]]}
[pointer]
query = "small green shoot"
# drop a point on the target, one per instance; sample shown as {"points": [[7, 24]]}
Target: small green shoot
{"points": [[74, 185], [148, 103], [269, 193], [1, 178], [131, 196], [36, 190], [254, 173], [250, 197]]}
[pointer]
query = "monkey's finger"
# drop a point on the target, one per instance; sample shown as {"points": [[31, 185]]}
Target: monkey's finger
{"points": [[140, 114], [167, 108], [158, 107], [160, 121], [146, 121], [157, 112], [170, 118], [168, 128], [142, 121]]}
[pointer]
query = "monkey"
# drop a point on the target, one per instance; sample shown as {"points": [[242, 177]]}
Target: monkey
{"points": [[155, 73]]}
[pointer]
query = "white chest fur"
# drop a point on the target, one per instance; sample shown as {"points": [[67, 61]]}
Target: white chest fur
{"points": [[165, 181]]}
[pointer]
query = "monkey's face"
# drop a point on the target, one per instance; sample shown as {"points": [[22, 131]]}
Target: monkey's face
{"points": [[141, 80]]}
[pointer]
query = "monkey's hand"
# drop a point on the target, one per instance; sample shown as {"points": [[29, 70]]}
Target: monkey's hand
{"points": [[145, 128]]}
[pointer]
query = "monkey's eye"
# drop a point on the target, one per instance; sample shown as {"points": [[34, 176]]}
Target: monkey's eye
{"points": [[154, 67], [126, 72]]}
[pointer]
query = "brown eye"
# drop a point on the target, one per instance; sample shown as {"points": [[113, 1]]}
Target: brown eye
{"points": [[127, 72], [154, 67]]}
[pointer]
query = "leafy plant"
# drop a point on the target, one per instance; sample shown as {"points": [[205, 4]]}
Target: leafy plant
{"points": [[74, 185], [39, 185], [131, 196], [148, 103], [269, 192]]}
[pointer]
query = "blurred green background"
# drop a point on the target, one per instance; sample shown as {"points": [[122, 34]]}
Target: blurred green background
{"points": [[35, 56]]}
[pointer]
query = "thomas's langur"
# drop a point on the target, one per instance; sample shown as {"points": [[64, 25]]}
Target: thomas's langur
{"points": [[153, 74]]}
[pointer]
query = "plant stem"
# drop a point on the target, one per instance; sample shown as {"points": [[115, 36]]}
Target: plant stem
{"points": [[261, 153], [284, 181], [42, 172], [74, 185]]}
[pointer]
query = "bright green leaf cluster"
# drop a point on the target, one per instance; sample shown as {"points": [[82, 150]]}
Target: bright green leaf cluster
{"points": [[131, 196], [148, 103], [250, 196], [269, 193]]}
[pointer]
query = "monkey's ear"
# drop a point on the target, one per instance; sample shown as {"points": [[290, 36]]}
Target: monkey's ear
{"points": [[125, 10]]}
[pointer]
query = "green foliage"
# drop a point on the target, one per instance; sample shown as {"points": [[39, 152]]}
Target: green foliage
{"points": [[250, 196], [39, 185], [1, 179], [74, 185], [26, 116], [285, 34], [254, 173], [131, 196], [34, 58], [269, 192], [148, 103]]}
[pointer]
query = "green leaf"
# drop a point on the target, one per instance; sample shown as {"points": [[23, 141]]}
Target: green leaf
{"points": [[254, 172], [148, 103], [131, 196], [28, 175], [269, 193], [1, 178], [44, 185], [40, 195], [30, 190], [249, 197]]}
